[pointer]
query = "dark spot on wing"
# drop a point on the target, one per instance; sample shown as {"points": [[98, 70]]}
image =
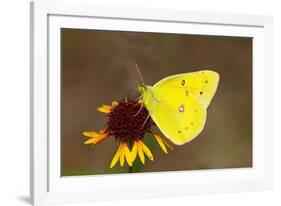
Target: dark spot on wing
{"points": [[183, 82]]}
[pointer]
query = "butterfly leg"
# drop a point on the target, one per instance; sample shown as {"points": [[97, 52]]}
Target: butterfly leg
{"points": [[145, 121], [138, 100], [138, 111]]}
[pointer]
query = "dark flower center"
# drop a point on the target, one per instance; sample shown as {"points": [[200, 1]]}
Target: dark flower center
{"points": [[129, 121]]}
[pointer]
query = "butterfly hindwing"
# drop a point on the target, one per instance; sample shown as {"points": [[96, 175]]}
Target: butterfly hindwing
{"points": [[180, 120]]}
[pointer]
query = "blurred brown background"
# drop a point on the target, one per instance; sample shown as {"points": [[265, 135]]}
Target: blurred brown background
{"points": [[95, 65]]}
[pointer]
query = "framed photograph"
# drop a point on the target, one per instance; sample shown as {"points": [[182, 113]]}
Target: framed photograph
{"points": [[138, 103]]}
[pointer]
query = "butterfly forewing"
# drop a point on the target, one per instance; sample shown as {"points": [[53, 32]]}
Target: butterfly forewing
{"points": [[202, 85]]}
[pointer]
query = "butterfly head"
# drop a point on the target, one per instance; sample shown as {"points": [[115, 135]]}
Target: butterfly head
{"points": [[142, 88]]}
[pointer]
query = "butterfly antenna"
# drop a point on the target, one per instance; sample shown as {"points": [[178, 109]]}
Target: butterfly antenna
{"points": [[139, 74]]}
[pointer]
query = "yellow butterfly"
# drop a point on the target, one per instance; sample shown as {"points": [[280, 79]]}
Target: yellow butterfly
{"points": [[178, 104]]}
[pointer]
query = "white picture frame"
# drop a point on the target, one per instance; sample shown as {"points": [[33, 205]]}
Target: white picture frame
{"points": [[46, 184]]}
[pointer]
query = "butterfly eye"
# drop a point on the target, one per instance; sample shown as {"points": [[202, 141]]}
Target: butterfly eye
{"points": [[201, 93], [183, 82]]}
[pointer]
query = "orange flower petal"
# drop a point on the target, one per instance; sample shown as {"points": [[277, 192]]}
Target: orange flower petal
{"points": [[95, 137], [102, 130]]}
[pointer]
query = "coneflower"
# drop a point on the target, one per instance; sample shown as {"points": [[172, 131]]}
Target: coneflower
{"points": [[128, 121]]}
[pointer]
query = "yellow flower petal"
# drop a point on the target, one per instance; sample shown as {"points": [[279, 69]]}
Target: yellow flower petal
{"points": [[116, 157], [140, 152], [161, 143], [167, 144], [134, 152], [90, 141], [128, 155], [114, 103], [146, 151], [91, 134], [105, 108], [122, 154]]}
